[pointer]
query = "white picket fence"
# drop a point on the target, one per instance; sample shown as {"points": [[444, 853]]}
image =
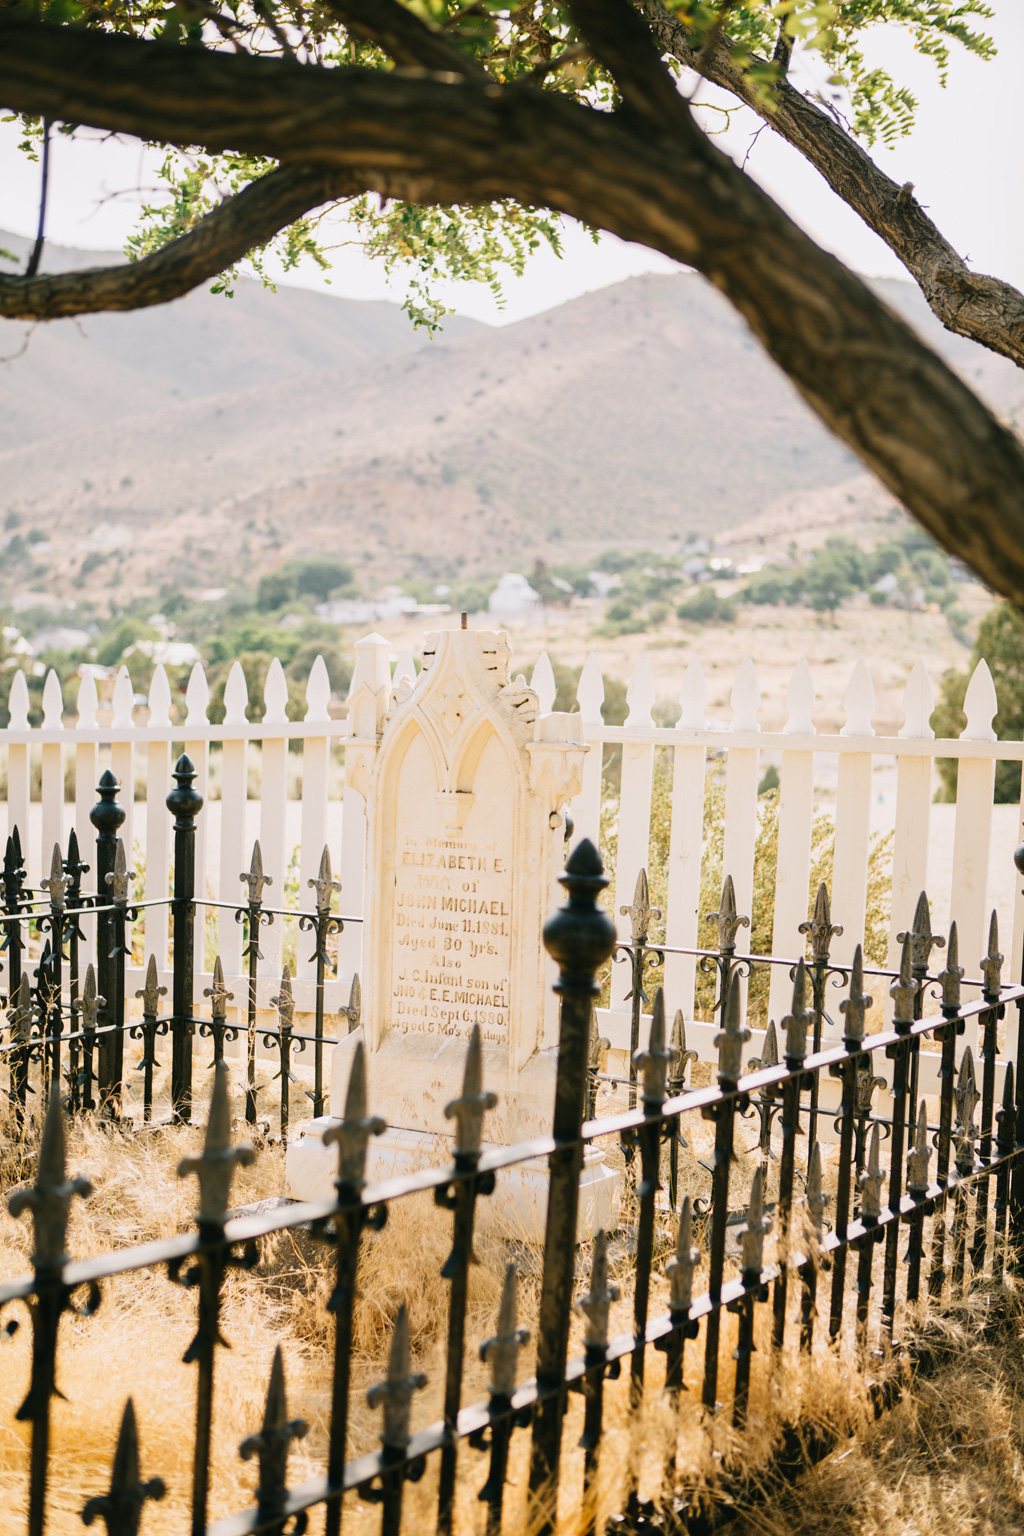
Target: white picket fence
{"points": [[227, 827]]}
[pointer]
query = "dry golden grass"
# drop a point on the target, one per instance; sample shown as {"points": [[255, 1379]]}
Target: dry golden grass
{"points": [[947, 1459]]}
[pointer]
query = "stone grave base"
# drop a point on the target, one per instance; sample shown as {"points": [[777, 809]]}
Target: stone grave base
{"points": [[518, 1205]]}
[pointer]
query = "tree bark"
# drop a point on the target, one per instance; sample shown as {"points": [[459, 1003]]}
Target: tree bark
{"points": [[438, 140], [224, 236], [986, 309]]}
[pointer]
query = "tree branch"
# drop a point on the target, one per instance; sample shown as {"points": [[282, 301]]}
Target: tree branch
{"points": [[986, 309], [403, 36], [437, 140], [223, 237]]}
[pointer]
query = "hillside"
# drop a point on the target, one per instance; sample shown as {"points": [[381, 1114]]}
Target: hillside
{"points": [[210, 438]]}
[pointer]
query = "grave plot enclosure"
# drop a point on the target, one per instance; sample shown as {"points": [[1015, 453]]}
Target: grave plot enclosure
{"points": [[929, 1202]]}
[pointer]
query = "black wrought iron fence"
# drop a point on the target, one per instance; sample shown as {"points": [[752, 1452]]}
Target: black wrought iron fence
{"points": [[67, 1006], [964, 1221]]}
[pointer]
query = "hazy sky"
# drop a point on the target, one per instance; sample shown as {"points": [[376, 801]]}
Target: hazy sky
{"points": [[963, 157]]}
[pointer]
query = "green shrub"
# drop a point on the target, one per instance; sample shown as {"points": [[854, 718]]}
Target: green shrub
{"points": [[706, 607]]}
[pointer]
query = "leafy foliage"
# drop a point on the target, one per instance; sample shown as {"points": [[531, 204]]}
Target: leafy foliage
{"points": [[533, 42], [1000, 641]]}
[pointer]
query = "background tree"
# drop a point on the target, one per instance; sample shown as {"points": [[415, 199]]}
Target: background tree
{"points": [[1000, 641], [505, 117]]}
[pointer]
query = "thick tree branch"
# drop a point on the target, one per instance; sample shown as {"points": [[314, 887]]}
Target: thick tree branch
{"points": [[223, 237], [438, 140], [984, 308], [402, 36]]}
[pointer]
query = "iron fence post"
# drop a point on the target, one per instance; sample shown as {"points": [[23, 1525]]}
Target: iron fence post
{"points": [[580, 936], [107, 817], [184, 802]]}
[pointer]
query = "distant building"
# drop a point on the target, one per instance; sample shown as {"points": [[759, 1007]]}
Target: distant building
{"points": [[513, 598]]}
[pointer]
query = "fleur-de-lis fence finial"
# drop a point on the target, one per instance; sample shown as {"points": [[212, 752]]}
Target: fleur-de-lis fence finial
{"points": [[152, 992], [756, 1227], [920, 1153], [255, 880], [120, 877], [640, 912], [468, 1110], [20, 1016], [726, 917], [284, 1001], [870, 1180], [992, 964], [121, 1507], [597, 1303], [857, 1004], [966, 1095], [681, 1266], [821, 930], [683, 1057], [732, 1037], [270, 1446], [215, 1168], [218, 993], [50, 1197], [798, 1020], [952, 974], [352, 1133], [653, 1064], [394, 1394], [816, 1198], [91, 1002], [922, 940], [502, 1352], [353, 1009], [56, 886], [769, 1056], [904, 989], [325, 884]]}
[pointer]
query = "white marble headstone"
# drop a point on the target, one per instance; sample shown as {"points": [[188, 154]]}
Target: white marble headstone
{"points": [[465, 787]]}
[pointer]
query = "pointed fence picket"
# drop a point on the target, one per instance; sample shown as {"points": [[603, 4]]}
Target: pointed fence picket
{"points": [[634, 818], [796, 812]]}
